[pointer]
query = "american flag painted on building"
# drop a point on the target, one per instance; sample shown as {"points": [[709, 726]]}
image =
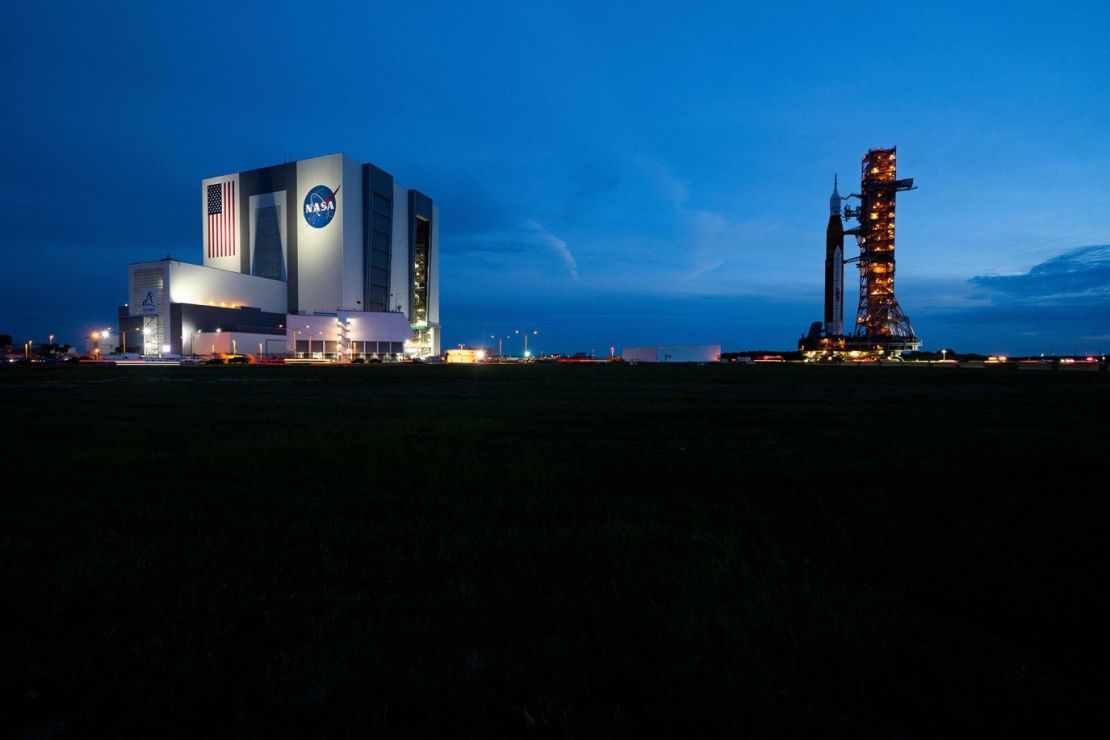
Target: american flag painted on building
{"points": [[221, 219]]}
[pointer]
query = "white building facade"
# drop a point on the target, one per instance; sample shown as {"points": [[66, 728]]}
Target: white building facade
{"points": [[673, 353], [350, 335], [322, 237]]}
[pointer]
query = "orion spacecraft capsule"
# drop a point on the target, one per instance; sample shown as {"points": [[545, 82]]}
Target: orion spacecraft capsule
{"points": [[834, 267]]}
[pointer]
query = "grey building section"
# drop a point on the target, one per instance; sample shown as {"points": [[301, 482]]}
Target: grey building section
{"points": [[268, 262], [153, 278], [377, 229], [420, 242], [271, 180]]}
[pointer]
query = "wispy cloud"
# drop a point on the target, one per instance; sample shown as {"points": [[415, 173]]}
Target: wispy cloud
{"points": [[560, 246], [521, 244]]}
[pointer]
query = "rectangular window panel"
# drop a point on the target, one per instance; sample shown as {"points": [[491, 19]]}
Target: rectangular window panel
{"points": [[267, 243], [382, 205], [421, 244], [381, 223]]}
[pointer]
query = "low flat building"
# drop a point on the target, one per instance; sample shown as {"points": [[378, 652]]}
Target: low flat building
{"points": [[171, 302], [349, 335], [466, 356], [673, 353], [236, 343]]}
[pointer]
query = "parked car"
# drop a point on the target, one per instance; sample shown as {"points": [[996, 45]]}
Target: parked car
{"points": [[215, 361]]}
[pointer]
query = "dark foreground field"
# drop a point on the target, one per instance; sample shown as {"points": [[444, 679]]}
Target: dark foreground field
{"points": [[553, 551]]}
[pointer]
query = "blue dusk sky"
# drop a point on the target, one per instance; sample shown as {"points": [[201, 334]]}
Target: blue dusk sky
{"points": [[617, 173]]}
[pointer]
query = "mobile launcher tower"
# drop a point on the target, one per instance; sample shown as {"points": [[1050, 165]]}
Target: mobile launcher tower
{"points": [[881, 329]]}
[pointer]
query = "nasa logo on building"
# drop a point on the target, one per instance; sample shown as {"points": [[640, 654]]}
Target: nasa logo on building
{"points": [[150, 307], [319, 206]]}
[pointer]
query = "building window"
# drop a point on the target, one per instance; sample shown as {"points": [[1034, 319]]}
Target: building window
{"points": [[268, 261], [421, 244]]}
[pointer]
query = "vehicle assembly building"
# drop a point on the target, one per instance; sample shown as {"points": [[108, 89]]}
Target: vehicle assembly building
{"points": [[880, 329], [325, 257]]}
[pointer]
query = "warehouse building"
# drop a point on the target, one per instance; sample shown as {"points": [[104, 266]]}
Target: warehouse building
{"points": [[328, 243], [673, 353]]}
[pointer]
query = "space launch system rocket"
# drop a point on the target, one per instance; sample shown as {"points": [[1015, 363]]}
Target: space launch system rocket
{"points": [[834, 267]]}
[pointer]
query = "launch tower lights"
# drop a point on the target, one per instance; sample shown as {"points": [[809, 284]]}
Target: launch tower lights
{"points": [[880, 324], [881, 328]]}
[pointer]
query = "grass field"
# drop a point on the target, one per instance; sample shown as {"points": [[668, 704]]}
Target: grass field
{"points": [[561, 551]]}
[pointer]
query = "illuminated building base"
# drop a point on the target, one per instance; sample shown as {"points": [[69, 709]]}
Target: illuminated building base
{"points": [[425, 342], [850, 349]]}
